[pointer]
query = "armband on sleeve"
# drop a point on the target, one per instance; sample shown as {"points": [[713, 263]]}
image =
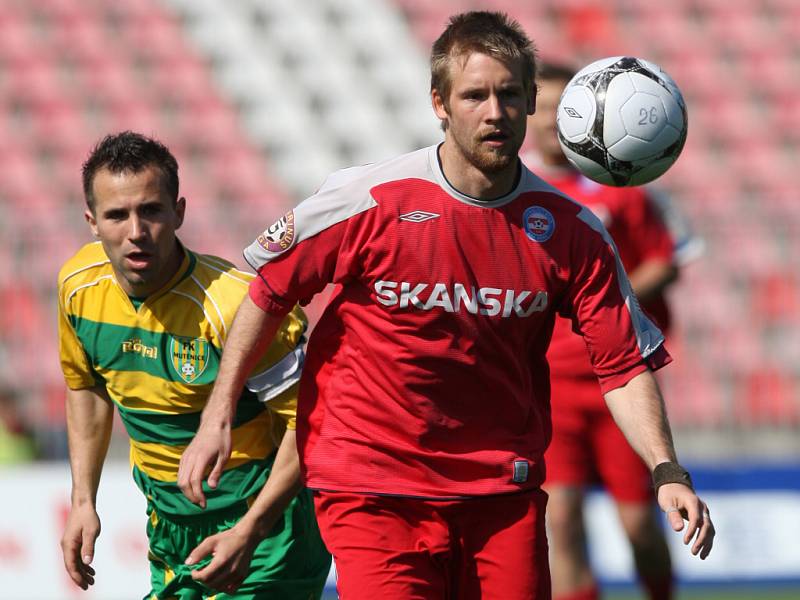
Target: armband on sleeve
{"points": [[278, 378]]}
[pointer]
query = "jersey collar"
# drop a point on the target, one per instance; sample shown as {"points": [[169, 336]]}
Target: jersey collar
{"points": [[436, 168]]}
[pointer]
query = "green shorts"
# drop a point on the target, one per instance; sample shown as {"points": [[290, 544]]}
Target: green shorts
{"points": [[291, 562]]}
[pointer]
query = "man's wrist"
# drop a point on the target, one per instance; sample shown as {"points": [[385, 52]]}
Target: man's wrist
{"points": [[217, 414], [671, 472], [253, 529], [81, 500]]}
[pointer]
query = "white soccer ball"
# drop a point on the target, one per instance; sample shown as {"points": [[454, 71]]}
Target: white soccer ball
{"points": [[622, 121]]}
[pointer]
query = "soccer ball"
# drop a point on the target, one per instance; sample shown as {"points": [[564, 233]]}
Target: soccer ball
{"points": [[622, 121]]}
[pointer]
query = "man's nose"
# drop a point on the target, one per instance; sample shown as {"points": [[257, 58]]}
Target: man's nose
{"points": [[137, 228], [494, 108]]}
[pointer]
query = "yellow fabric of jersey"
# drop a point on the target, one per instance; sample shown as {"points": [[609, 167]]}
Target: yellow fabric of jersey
{"points": [[161, 462], [158, 363]]}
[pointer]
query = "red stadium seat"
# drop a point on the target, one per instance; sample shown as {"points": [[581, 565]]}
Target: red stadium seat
{"points": [[134, 116], [587, 25], [701, 76], [18, 40], [693, 398], [72, 71], [184, 79], [776, 295], [768, 397], [85, 41], [154, 35], [35, 82]]}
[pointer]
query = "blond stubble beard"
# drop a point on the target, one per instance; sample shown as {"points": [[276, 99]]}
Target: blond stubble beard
{"points": [[487, 161], [490, 162]]}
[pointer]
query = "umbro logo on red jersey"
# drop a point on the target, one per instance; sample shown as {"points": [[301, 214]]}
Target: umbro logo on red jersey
{"points": [[418, 216]]}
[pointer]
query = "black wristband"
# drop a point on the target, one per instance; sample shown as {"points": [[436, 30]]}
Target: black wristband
{"points": [[671, 472]]}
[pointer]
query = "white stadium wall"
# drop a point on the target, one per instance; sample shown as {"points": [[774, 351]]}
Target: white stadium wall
{"points": [[757, 540]]}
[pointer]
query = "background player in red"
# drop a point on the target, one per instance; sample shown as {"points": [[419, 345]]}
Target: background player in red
{"points": [[424, 404], [587, 445]]}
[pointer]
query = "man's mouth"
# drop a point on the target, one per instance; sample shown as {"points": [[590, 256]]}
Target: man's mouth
{"points": [[139, 259], [495, 138]]}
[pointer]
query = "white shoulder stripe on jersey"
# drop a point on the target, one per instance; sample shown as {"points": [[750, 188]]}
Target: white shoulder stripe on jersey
{"points": [[648, 336], [343, 176], [85, 285], [279, 377], [213, 303], [225, 269], [84, 268], [344, 194], [205, 313], [202, 258]]}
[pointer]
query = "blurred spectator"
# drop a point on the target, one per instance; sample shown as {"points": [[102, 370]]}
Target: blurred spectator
{"points": [[587, 446], [16, 441]]}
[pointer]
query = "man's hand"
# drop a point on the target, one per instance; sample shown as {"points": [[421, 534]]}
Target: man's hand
{"points": [[250, 334], [232, 551], [77, 544], [211, 444], [681, 503]]}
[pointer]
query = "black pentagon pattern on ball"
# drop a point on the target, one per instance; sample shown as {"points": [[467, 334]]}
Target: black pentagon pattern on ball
{"points": [[593, 147]]}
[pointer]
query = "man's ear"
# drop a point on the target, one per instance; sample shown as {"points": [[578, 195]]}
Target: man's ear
{"points": [[439, 105], [532, 99], [92, 221], [180, 211]]}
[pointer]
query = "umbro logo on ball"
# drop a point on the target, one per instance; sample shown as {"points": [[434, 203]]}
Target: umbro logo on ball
{"points": [[572, 112]]}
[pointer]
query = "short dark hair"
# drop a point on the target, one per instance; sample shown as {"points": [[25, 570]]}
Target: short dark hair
{"points": [[492, 33], [555, 71], [130, 152]]}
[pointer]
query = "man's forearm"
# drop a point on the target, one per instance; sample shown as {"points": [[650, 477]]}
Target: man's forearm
{"points": [[89, 423], [651, 278], [638, 410], [250, 334], [282, 485]]}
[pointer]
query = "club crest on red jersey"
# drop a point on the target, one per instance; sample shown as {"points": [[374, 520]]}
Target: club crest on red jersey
{"points": [[279, 236], [539, 223]]}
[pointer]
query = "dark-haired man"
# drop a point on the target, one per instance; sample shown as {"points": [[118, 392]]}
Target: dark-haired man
{"points": [[424, 405], [142, 323]]}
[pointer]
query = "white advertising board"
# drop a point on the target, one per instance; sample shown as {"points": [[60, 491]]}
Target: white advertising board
{"points": [[757, 537]]}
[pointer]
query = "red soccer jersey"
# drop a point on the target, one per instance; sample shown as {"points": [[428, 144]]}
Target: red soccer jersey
{"points": [[426, 375], [639, 234]]}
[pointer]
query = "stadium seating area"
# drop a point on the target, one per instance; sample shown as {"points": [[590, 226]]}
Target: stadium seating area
{"points": [[69, 73], [260, 100]]}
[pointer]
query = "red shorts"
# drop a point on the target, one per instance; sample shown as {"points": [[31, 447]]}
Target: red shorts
{"points": [[588, 447], [490, 548]]}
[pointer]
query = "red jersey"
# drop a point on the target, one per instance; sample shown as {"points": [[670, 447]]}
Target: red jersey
{"points": [[426, 374], [639, 234]]}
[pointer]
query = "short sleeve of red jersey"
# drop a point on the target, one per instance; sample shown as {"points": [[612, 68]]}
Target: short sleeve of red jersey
{"points": [[622, 342], [307, 248]]}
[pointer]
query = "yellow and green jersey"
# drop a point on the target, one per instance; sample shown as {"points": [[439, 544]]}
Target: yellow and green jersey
{"points": [[158, 359]]}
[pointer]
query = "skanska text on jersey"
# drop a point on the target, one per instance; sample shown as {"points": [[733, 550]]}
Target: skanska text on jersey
{"points": [[484, 301]]}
